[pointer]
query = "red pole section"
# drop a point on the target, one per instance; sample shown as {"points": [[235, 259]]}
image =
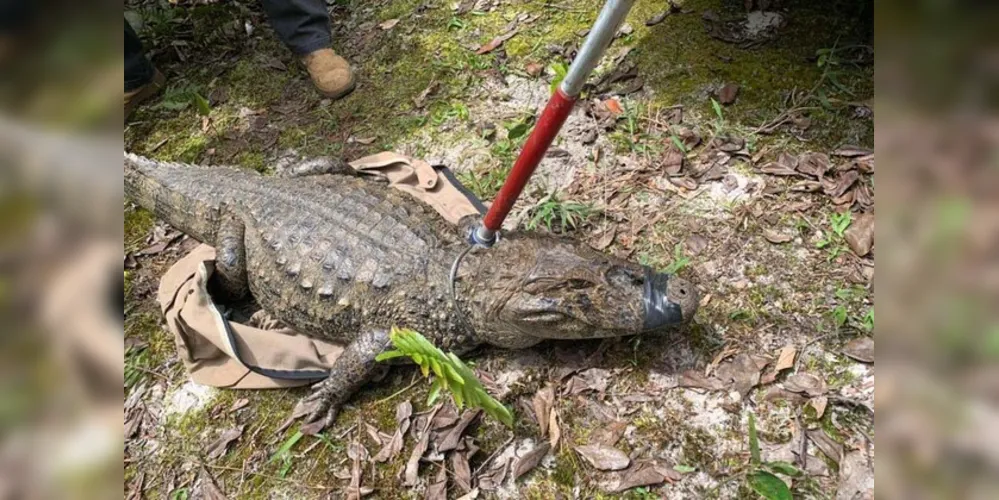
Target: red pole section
{"points": [[552, 118]]}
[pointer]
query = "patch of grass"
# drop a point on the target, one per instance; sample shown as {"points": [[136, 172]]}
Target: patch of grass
{"points": [[559, 216], [138, 223], [485, 184]]}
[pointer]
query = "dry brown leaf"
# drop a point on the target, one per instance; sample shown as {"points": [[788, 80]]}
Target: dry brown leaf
{"points": [[776, 237], [446, 417], [533, 69], [471, 495], [494, 476], [843, 184], [357, 454], [373, 433], [819, 405], [813, 164], [413, 464], [684, 182], [403, 420], [221, 445], [554, 431], [610, 434], [438, 489], [785, 359], [209, 488], [496, 42], [239, 404], [852, 151], [452, 438], [387, 25], [530, 460], [805, 383], [606, 238], [743, 373], [860, 234], [614, 106], [637, 476], [604, 458], [462, 471], [363, 140], [695, 244], [695, 379], [728, 93], [673, 161], [776, 168], [806, 187], [827, 445], [421, 100], [860, 349], [594, 379], [542, 405], [779, 394]]}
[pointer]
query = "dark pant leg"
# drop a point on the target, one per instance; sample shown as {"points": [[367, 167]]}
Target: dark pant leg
{"points": [[138, 69], [303, 25]]}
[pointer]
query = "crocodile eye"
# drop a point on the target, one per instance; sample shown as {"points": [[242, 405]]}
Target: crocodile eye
{"points": [[624, 278]]}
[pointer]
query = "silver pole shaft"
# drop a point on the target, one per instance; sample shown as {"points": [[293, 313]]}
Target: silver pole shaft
{"points": [[596, 43]]}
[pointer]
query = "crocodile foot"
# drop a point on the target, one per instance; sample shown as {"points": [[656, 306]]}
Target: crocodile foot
{"points": [[355, 367], [324, 405]]}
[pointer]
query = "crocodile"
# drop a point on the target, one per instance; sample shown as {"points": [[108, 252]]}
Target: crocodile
{"points": [[338, 256]]}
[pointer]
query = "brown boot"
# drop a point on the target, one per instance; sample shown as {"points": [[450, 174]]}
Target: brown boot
{"points": [[330, 73], [135, 97]]}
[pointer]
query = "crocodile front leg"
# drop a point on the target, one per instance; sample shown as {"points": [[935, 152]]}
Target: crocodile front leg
{"points": [[355, 367], [317, 166], [230, 258]]}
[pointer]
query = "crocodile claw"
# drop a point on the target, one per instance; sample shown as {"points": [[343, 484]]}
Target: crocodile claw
{"points": [[323, 408]]}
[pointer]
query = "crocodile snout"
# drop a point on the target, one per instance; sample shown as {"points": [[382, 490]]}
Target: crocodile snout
{"points": [[668, 300]]}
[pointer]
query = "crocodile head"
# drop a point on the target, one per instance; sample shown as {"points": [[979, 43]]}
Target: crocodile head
{"points": [[557, 288]]}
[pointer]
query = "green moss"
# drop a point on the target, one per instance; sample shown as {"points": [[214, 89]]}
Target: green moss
{"points": [[138, 223], [567, 465], [699, 448], [254, 160]]}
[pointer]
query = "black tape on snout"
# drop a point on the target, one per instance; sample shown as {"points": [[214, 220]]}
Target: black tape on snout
{"points": [[659, 310]]}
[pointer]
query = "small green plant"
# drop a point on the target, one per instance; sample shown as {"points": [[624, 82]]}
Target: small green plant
{"points": [[835, 242], [135, 357], [560, 69], [569, 215], [867, 321], [680, 260], [678, 143], [718, 110], [839, 316], [485, 185], [453, 111], [761, 475], [180, 98], [180, 494], [517, 129], [450, 373], [456, 24], [283, 454]]}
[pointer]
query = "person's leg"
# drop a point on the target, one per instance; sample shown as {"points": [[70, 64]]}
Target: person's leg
{"points": [[138, 70], [142, 80], [304, 26]]}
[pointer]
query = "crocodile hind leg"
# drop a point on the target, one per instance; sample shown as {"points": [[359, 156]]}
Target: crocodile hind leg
{"points": [[354, 368], [230, 258]]}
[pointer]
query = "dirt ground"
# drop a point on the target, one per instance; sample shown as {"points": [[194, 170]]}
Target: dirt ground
{"points": [[730, 146]]}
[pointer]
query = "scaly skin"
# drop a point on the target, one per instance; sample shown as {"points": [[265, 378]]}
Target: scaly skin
{"points": [[344, 259]]}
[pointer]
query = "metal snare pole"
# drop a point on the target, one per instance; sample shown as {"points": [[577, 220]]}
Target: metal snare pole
{"points": [[552, 119]]}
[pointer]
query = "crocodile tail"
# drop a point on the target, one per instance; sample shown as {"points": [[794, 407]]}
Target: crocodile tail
{"points": [[184, 196]]}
